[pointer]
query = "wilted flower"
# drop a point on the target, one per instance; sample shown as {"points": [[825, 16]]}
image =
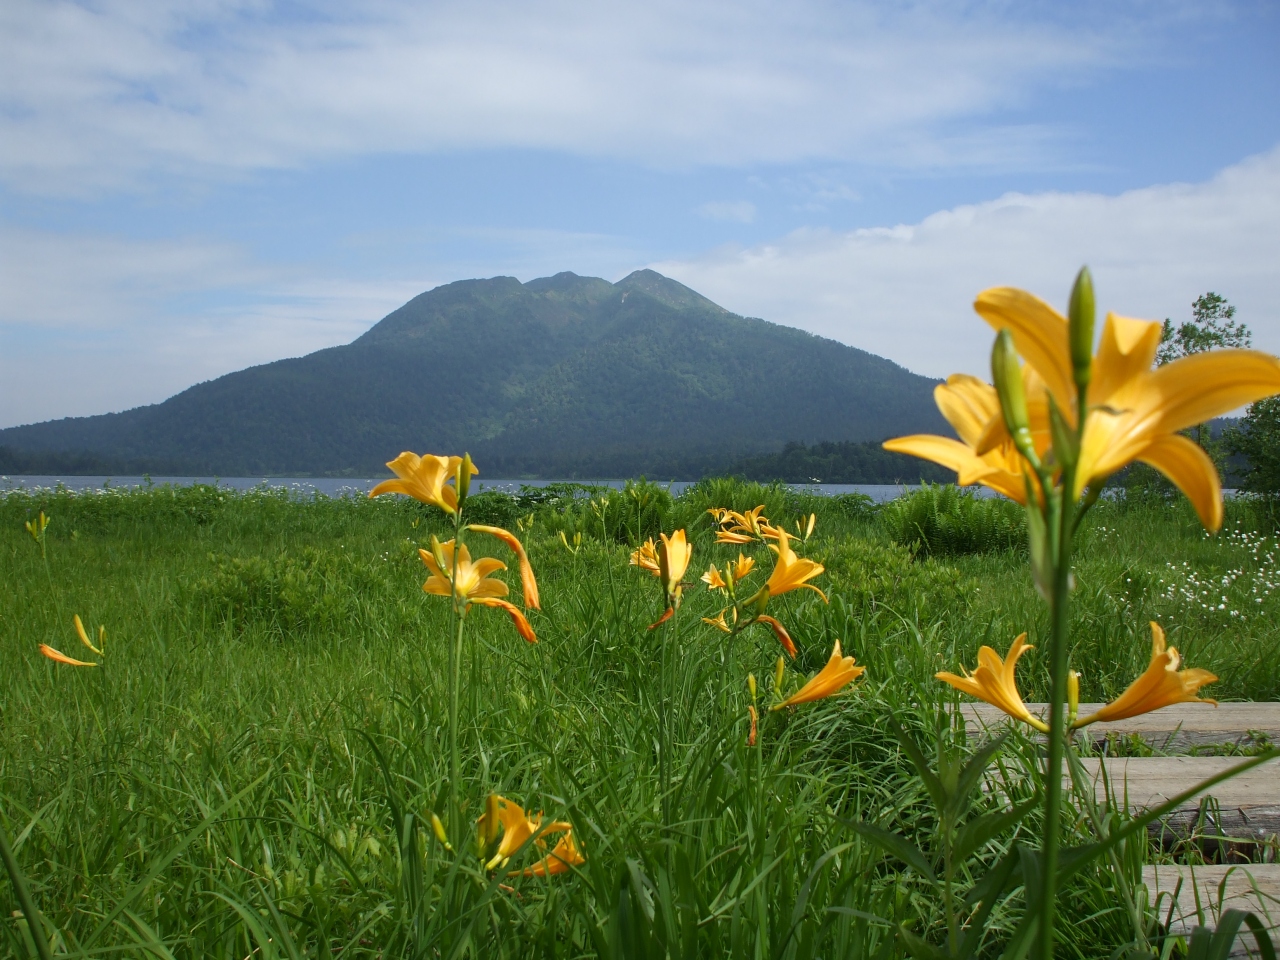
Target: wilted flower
{"points": [[527, 581], [59, 657]]}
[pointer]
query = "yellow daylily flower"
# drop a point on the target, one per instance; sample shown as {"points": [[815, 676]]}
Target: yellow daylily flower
{"points": [[563, 856], [646, 558], [745, 527], [1159, 686], [1135, 412], [473, 579], [994, 682], [831, 679], [517, 828], [424, 478], [718, 622], [791, 572], [677, 551], [527, 581], [59, 657], [713, 579], [971, 406]]}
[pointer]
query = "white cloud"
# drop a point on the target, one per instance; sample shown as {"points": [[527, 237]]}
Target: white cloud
{"points": [[905, 292], [104, 94], [734, 211]]}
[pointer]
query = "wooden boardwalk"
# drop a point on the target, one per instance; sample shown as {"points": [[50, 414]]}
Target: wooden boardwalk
{"points": [[1244, 808], [1185, 897]]}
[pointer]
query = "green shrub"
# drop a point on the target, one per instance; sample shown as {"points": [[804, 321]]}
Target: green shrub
{"points": [[942, 520], [295, 592], [871, 574]]}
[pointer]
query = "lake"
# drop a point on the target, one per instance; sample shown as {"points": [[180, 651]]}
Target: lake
{"points": [[342, 486]]}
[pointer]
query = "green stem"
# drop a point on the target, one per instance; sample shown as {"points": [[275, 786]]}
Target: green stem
{"points": [[34, 923], [456, 818], [1059, 629]]}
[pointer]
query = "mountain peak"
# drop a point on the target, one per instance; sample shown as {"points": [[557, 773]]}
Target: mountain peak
{"points": [[665, 290]]}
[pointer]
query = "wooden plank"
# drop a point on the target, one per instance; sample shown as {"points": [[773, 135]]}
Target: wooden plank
{"points": [[1185, 897], [1174, 729], [1246, 806]]}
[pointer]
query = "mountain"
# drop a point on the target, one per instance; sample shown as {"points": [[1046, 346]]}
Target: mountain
{"points": [[563, 376]]}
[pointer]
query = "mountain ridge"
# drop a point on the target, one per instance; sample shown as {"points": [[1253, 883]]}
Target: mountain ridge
{"points": [[564, 375]]}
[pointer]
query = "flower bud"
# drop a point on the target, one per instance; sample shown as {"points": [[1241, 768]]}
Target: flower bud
{"points": [[437, 553], [1073, 696], [438, 829], [751, 686], [465, 470], [778, 670], [1007, 374], [1081, 315], [491, 825]]}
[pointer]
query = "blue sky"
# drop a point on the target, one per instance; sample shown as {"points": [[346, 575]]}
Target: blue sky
{"points": [[188, 189]]}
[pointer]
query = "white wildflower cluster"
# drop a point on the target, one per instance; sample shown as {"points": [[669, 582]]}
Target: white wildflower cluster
{"points": [[1237, 593]]}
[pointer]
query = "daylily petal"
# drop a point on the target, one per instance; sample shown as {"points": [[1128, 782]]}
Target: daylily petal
{"points": [[1039, 332], [1206, 385], [718, 622], [523, 626], [527, 581], [667, 614], [1126, 352], [713, 579], [969, 405], [1191, 470]]}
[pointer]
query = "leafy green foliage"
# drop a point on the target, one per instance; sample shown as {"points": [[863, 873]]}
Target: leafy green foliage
{"points": [[845, 462], [943, 520], [1212, 327], [1258, 439], [561, 377]]}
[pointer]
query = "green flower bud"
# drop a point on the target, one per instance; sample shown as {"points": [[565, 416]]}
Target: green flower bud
{"points": [[1080, 328], [1007, 374]]}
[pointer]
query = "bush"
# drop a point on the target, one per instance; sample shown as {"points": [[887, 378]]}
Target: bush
{"points": [[942, 520], [289, 594]]}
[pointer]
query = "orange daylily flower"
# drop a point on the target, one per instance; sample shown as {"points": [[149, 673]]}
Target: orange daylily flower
{"points": [[734, 571], [563, 856], [831, 679], [790, 572], [527, 581], [670, 557], [1135, 412], [517, 828], [781, 633], [424, 478], [473, 579], [523, 627], [994, 682], [1159, 686], [59, 657], [713, 579]]}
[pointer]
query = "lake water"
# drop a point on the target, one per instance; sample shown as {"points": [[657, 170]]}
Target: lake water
{"points": [[336, 487]]}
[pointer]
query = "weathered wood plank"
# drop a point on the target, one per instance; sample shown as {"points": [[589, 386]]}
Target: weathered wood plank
{"points": [[1246, 806], [1176, 728], [1185, 897]]}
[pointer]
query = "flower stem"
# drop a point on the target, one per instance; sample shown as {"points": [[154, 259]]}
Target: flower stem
{"points": [[1058, 631]]}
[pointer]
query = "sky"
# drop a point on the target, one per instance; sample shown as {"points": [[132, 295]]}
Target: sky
{"points": [[187, 189]]}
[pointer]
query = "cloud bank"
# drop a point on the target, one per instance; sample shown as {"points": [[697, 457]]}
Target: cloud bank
{"points": [[905, 292], [99, 96]]}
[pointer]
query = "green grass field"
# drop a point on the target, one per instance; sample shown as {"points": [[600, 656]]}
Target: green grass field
{"points": [[253, 770]]}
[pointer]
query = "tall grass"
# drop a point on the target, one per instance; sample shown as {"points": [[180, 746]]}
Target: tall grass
{"points": [[253, 769]]}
